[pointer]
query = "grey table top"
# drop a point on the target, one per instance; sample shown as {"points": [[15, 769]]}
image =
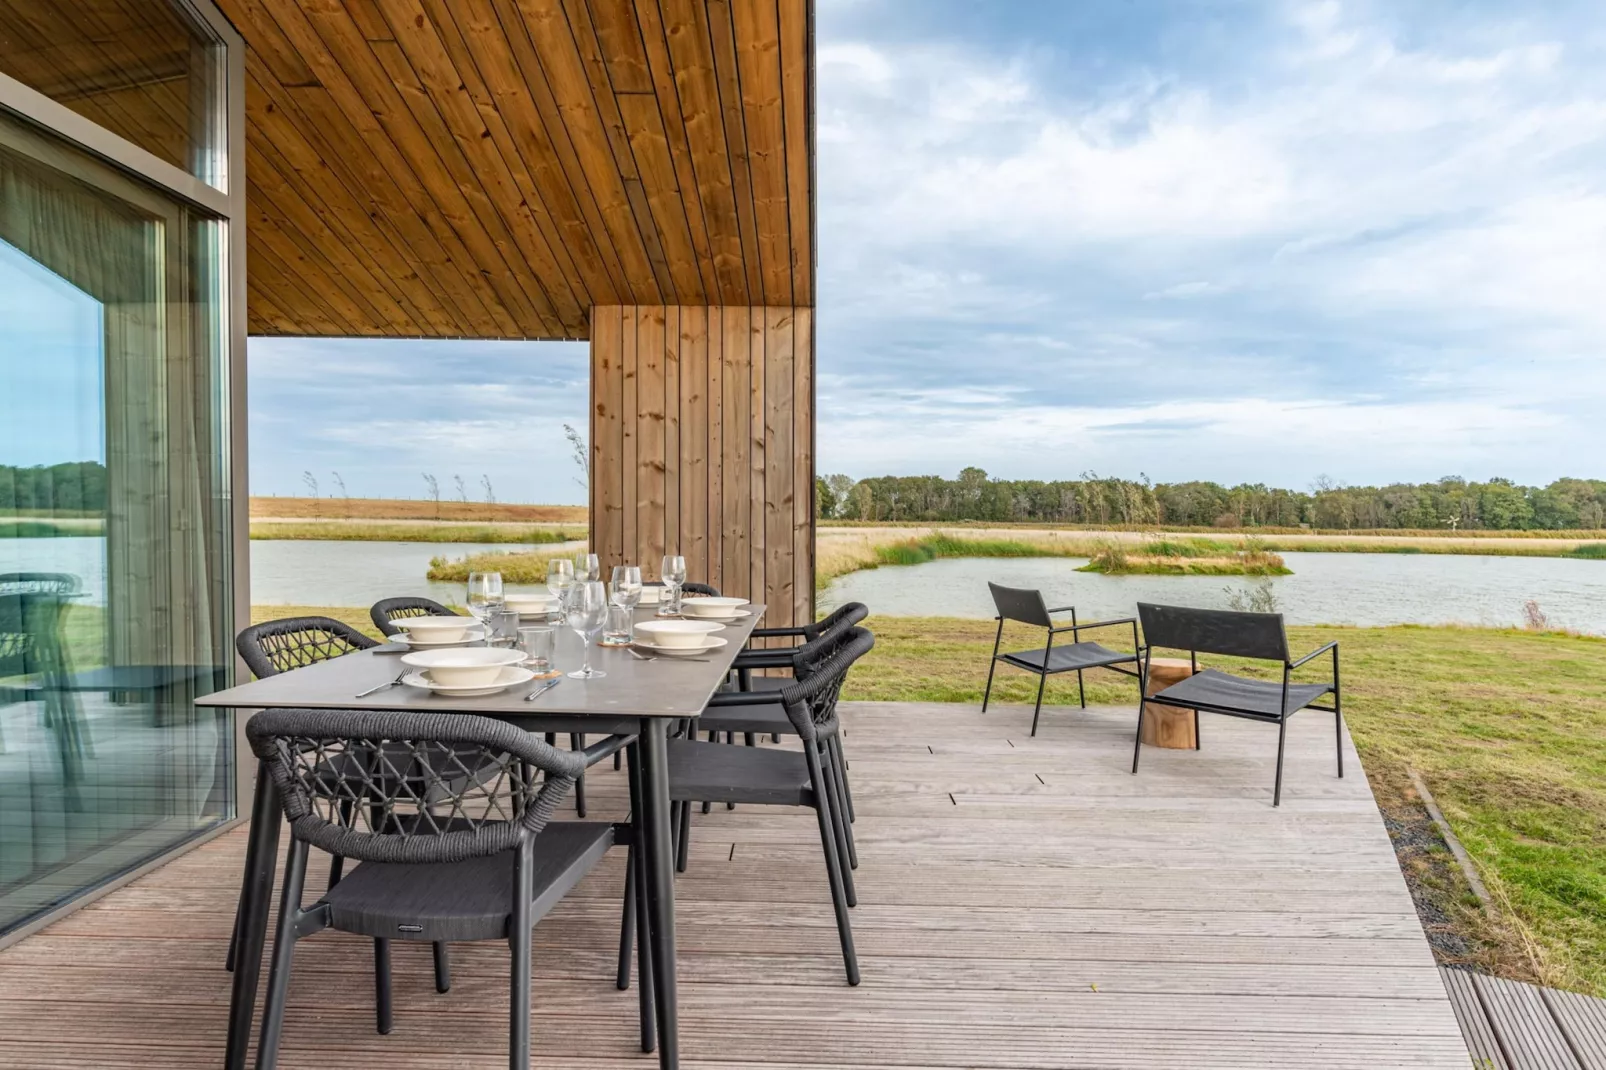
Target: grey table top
{"points": [[667, 687]]}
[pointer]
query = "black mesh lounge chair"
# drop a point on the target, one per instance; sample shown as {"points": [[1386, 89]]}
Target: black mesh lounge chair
{"points": [[773, 776], [1028, 607], [759, 711], [385, 612], [443, 852], [1259, 636]]}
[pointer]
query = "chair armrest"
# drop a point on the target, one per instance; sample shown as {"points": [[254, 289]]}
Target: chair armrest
{"points": [[1094, 624], [1319, 650], [1062, 609], [774, 632]]}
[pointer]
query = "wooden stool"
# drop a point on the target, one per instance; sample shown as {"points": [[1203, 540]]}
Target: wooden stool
{"points": [[1171, 727]]}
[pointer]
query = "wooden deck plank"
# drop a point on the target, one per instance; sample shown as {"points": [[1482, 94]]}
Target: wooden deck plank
{"points": [[1186, 923], [1529, 1036]]}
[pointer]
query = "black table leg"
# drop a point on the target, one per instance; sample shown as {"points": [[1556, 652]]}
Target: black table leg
{"points": [[660, 884], [261, 857]]}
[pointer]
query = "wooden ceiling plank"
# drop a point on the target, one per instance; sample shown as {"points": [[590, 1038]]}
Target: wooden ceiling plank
{"points": [[346, 235], [582, 253], [278, 215], [553, 61], [488, 181], [334, 142], [797, 99], [329, 180], [623, 50], [595, 60], [388, 89], [758, 52], [307, 298], [650, 26], [264, 316], [691, 57], [723, 35], [338, 96]]}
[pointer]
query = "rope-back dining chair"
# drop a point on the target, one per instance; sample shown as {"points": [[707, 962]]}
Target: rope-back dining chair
{"points": [[386, 611], [1027, 607], [719, 772], [449, 818], [1257, 636]]}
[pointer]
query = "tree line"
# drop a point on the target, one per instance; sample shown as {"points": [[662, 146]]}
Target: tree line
{"points": [[1450, 503], [69, 487]]}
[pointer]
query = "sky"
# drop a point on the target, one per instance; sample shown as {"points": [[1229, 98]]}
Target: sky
{"points": [[1199, 239]]}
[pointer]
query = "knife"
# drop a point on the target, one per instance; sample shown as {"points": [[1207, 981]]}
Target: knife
{"points": [[543, 689]]}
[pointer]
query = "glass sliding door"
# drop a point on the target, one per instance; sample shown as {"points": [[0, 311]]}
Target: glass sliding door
{"points": [[115, 533]]}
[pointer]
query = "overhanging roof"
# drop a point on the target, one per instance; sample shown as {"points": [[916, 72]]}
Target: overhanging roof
{"points": [[493, 168]]}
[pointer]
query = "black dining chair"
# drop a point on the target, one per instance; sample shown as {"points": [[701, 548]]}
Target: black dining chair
{"points": [[1027, 607], [277, 646], [385, 612], [1257, 636], [772, 776], [443, 851], [780, 657]]}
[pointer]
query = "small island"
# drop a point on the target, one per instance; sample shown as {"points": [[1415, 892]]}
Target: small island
{"points": [[1187, 557]]}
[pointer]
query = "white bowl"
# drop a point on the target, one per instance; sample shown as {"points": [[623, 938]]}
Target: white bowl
{"points": [[651, 596], [709, 606], [471, 666], [511, 676], [530, 603], [437, 629], [676, 632]]}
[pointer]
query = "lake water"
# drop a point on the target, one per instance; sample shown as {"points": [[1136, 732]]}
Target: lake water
{"points": [[1360, 589]]}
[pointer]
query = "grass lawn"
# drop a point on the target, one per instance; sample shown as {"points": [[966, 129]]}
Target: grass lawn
{"points": [[1507, 728], [417, 531]]}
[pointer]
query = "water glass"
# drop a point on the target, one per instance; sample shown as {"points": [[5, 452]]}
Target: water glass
{"points": [[620, 629], [587, 567], [673, 573], [559, 578], [538, 643], [626, 586], [587, 612], [484, 593], [502, 626]]}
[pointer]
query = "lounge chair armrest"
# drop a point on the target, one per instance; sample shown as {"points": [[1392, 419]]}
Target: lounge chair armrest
{"points": [[1062, 609], [1095, 624], [1314, 653]]}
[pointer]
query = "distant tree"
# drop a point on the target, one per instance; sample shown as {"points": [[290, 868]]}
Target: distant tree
{"points": [[432, 487], [581, 455], [341, 483], [462, 489], [485, 485], [824, 499]]}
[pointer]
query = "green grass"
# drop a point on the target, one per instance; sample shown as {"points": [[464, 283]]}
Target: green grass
{"points": [[403, 531], [1505, 726], [525, 568], [1590, 551], [51, 529], [932, 547], [1161, 556]]}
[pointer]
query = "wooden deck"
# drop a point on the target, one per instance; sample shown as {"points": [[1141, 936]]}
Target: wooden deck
{"points": [[1023, 903], [1510, 1025]]}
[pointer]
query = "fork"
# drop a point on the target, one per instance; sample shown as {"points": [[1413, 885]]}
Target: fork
{"points": [[646, 657], [385, 686]]}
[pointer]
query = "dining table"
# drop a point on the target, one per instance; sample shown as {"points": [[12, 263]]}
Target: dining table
{"points": [[640, 694]]}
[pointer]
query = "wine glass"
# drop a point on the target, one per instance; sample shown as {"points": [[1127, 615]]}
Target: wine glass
{"points": [[559, 578], [484, 593], [627, 585], [587, 567], [673, 573], [587, 611]]}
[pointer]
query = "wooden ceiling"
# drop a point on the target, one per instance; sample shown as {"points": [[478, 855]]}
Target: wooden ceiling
{"points": [[494, 168]]}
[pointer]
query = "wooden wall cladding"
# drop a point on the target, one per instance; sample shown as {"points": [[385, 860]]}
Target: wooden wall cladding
{"points": [[702, 440], [495, 168]]}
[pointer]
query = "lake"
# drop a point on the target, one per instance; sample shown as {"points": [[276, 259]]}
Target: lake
{"points": [[1360, 589]]}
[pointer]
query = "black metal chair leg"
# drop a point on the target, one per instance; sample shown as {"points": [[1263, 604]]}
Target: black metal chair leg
{"points": [[284, 941], [683, 838], [1038, 712], [775, 737], [1137, 741], [1081, 688], [1282, 735], [234, 935], [638, 859], [842, 778], [1196, 741], [1338, 731], [577, 741], [750, 738], [384, 1014], [443, 968], [833, 864], [618, 759], [730, 739], [627, 923], [713, 737], [844, 846], [992, 667]]}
